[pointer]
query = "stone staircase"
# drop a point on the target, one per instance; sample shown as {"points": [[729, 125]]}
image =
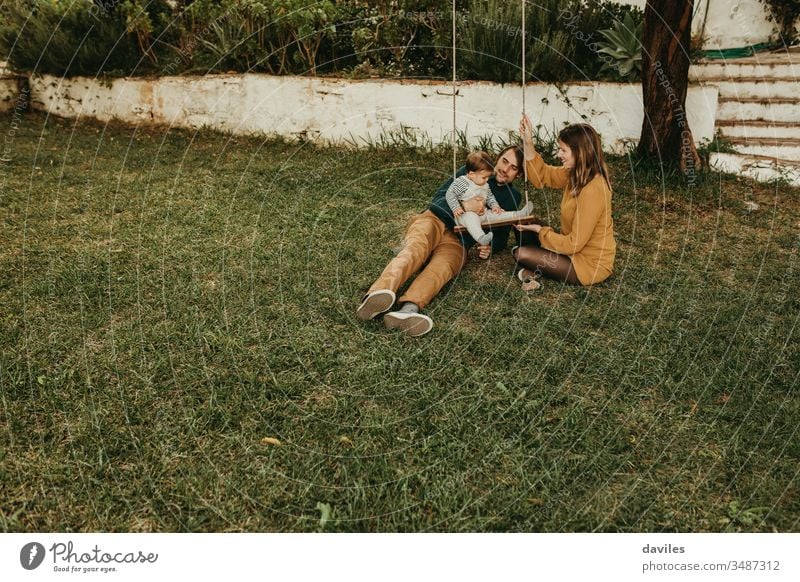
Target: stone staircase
{"points": [[758, 112]]}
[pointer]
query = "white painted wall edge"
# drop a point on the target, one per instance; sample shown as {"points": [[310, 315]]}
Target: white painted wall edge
{"points": [[729, 24], [335, 110]]}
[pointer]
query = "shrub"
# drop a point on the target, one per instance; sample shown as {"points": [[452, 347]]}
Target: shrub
{"points": [[235, 35], [785, 14], [623, 46], [490, 41], [561, 38], [583, 20], [375, 37], [274, 36], [63, 38], [400, 37], [81, 37]]}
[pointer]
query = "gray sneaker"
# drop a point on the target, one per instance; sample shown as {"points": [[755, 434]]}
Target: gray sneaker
{"points": [[413, 324], [375, 303]]}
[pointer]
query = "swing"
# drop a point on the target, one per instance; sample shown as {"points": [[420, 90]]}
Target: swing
{"points": [[509, 221]]}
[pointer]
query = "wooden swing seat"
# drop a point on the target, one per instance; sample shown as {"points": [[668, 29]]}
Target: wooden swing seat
{"points": [[508, 222]]}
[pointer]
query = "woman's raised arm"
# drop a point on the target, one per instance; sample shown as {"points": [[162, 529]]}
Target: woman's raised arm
{"points": [[538, 173]]}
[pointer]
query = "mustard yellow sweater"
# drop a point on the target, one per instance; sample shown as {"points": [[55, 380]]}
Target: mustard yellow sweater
{"points": [[587, 229]]}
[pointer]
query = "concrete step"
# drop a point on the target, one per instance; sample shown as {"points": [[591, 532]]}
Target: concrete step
{"points": [[753, 109], [767, 141], [758, 129], [759, 66], [759, 168], [789, 154], [785, 148], [733, 72], [750, 87], [782, 152]]}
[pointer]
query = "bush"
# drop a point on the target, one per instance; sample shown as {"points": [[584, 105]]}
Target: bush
{"points": [[561, 39], [583, 21], [623, 47], [81, 37], [490, 41], [271, 36], [785, 14], [403, 38], [64, 39]]}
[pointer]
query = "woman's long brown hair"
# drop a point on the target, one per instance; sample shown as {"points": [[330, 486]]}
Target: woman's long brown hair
{"points": [[584, 142]]}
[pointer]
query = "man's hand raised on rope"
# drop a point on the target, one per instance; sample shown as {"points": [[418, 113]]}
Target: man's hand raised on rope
{"points": [[484, 251]]}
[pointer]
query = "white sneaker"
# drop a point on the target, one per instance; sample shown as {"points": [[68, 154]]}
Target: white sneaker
{"points": [[413, 324], [375, 303]]}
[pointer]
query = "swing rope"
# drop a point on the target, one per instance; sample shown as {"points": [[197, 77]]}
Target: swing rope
{"points": [[524, 83], [526, 219], [455, 91]]}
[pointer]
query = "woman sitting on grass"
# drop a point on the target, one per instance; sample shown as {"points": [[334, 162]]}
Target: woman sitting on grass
{"points": [[583, 252]]}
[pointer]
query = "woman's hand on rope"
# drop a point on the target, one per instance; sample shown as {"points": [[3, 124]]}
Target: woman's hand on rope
{"points": [[526, 131]]}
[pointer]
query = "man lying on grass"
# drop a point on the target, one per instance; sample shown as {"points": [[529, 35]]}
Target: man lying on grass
{"points": [[430, 244]]}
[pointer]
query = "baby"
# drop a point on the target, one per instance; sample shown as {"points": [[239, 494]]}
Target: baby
{"points": [[468, 195]]}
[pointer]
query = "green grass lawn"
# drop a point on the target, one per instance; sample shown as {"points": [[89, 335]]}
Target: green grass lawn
{"points": [[170, 299]]}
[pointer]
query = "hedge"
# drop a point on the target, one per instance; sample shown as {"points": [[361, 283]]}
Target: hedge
{"points": [[355, 38]]}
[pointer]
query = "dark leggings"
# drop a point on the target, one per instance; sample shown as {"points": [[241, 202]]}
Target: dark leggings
{"points": [[550, 264]]}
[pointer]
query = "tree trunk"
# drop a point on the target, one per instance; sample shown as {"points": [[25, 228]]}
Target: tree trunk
{"points": [[665, 78]]}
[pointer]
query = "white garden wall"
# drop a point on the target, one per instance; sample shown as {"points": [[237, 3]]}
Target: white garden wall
{"points": [[336, 110], [728, 24]]}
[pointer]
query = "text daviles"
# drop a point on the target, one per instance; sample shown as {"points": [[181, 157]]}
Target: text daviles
{"points": [[65, 553], [665, 549]]}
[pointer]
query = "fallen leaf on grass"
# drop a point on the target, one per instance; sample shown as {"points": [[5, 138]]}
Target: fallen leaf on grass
{"points": [[271, 441], [325, 513]]}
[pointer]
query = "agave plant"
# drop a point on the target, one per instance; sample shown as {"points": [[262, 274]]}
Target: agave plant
{"points": [[622, 49]]}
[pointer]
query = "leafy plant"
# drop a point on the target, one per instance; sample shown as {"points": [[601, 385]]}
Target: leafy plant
{"points": [[80, 38], [310, 24], [227, 43], [747, 517], [720, 144], [489, 41], [274, 36], [402, 37], [623, 48], [55, 38], [364, 37], [583, 19]]}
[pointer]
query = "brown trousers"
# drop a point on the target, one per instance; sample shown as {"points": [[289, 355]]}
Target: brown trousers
{"points": [[427, 239]]}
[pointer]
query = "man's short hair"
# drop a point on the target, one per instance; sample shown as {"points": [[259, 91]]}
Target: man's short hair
{"points": [[479, 162]]}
